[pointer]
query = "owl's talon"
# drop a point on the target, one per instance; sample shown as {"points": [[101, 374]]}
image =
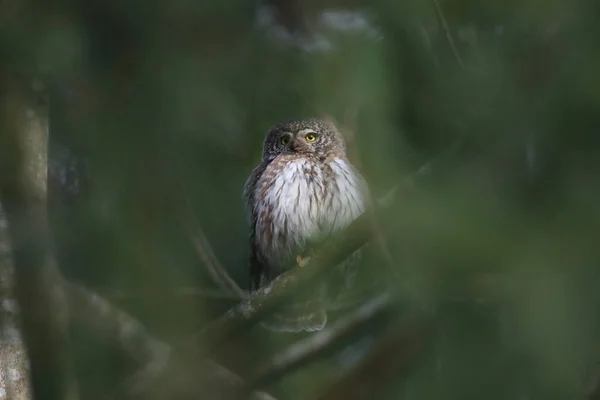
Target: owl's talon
{"points": [[302, 261]]}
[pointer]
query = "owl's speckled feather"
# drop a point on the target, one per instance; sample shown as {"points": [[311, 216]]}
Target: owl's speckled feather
{"points": [[303, 190]]}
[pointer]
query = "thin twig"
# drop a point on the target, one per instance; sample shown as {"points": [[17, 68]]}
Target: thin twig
{"points": [[428, 43], [202, 246], [448, 34], [214, 268]]}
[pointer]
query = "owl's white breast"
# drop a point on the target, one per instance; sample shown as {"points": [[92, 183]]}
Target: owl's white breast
{"points": [[306, 201]]}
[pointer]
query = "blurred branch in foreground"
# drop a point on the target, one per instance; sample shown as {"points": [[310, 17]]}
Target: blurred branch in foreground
{"points": [[161, 373], [158, 363], [185, 378], [23, 186], [211, 294], [390, 356], [103, 317], [14, 365], [492, 224], [269, 298], [323, 343]]}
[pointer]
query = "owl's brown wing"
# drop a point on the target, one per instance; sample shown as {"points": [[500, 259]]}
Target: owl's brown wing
{"points": [[257, 268]]}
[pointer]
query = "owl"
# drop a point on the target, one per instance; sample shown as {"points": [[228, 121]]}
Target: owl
{"points": [[303, 190]]}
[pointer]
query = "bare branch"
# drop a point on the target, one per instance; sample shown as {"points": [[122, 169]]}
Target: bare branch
{"points": [[23, 185], [448, 34], [322, 343], [236, 382], [15, 381], [392, 354], [193, 379], [159, 365], [134, 339], [215, 269], [14, 373], [111, 321], [131, 335], [270, 297], [211, 294], [202, 246]]}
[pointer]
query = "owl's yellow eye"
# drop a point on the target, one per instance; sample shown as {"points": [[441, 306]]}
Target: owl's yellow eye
{"points": [[310, 137], [285, 139]]}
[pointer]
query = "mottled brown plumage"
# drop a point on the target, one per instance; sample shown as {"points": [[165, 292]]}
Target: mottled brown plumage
{"points": [[303, 190]]}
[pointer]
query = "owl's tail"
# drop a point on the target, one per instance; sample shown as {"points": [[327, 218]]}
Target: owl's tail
{"points": [[308, 316]]}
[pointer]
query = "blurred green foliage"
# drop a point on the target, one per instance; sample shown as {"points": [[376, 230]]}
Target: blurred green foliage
{"points": [[154, 104]]}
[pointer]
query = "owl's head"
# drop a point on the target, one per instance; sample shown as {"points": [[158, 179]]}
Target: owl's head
{"points": [[309, 137]]}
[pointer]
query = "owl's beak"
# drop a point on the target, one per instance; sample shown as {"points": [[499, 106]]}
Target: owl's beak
{"points": [[298, 143]]}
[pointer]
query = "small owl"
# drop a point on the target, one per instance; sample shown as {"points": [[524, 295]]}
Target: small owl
{"points": [[303, 190]]}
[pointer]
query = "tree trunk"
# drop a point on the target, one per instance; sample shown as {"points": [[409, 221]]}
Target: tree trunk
{"points": [[37, 283], [14, 367]]}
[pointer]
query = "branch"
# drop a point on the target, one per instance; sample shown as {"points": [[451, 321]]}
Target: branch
{"points": [[448, 34], [322, 343], [391, 355], [269, 298], [13, 355], [131, 335], [334, 251], [114, 323], [23, 186], [215, 269], [218, 273], [196, 379], [159, 364], [209, 294], [236, 382]]}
